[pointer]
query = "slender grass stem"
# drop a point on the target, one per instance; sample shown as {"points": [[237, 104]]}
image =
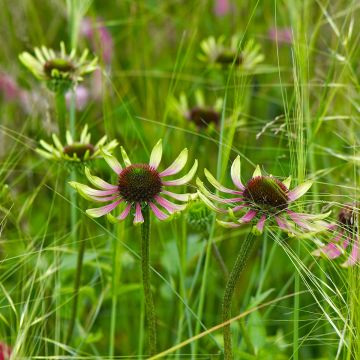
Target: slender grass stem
{"points": [[60, 105], [146, 274], [235, 273], [77, 283]]}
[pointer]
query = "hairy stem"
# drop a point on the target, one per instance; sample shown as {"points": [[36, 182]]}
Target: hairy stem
{"points": [[60, 105], [146, 274], [234, 276]]}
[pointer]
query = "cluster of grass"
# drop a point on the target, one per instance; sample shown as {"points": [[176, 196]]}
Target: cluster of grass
{"points": [[294, 113]]}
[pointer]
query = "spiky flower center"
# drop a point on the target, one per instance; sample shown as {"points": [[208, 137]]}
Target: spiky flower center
{"points": [[58, 67], [267, 193], [228, 57], [139, 183], [203, 116], [78, 150], [347, 217]]}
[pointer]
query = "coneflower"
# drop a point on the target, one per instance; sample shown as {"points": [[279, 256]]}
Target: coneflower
{"points": [[345, 237], [75, 151], [244, 55], [265, 200], [140, 189]]}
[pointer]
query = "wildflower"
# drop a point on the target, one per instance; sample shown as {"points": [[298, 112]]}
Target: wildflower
{"points": [[281, 35], [222, 7], [99, 36], [82, 96], [75, 151], [60, 71], [264, 198], [139, 186], [201, 114], [5, 351], [216, 53], [345, 234]]}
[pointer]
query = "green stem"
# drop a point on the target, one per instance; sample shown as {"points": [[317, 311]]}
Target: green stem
{"points": [[234, 276], [146, 273], [77, 282], [60, 104]]}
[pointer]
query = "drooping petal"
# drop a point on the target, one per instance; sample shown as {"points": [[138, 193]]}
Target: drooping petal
{"points": [[98, 182], [228, 224], [260, 224], [354, 256], [88, 192], [283, 224], [257, 171], [209, 204], [112, 162], [219, 186], [138, 219], [180, 197], [125, 212], [183, 180], [177, 165], [104, 198], [97, 212], [332, 251], [248, 216], [236, 173], [156, 155], [298, 220], [299, 191], [157, 212], [168, 205]]}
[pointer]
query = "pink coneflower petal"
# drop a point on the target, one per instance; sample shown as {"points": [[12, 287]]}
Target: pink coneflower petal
{"points": [[331, 250], [157, 212], [299, 190], [112, 162], [183, 180], [248, 216], [138, 219], [298, 220], [156, 155], [104, 199], [91, 192], [97, 212], [99, 183], [238, 207], [169, 206], [219, 186], [125, 212], [180, 197], [283, 224], [236, 173], [209, 204], [177, 165], [261, 223], [228, 224], [354, 256]]}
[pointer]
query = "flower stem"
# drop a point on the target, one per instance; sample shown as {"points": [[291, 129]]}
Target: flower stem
{"points": [[236, 271], [145, 266], [77, 282], [60, 105]]}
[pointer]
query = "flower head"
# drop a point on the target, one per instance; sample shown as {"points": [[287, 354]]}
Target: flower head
{"points": [[345, 237], [60, 71], [201, 115], [138, 185], [217, 53], [264, 199], [198, 215], [75, 151]]}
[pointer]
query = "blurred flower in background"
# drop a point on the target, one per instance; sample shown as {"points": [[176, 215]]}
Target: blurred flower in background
{"points": [[82, 97], [5, 351], [345, 236], [281, 35], [245, 55], [221, 7], [75, 151]]}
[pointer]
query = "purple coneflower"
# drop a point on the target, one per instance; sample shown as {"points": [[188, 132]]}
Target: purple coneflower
{"points": [[140, 188], [221, 7], [281, 35], [139, 185], [264, 198], [345, 236]]}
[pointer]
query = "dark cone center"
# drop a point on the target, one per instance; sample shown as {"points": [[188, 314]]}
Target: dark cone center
{"points": [[267, 193], [229, 57], [60, 65], [79, 150], [347, 217], [202, 116], [139, 183]]}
